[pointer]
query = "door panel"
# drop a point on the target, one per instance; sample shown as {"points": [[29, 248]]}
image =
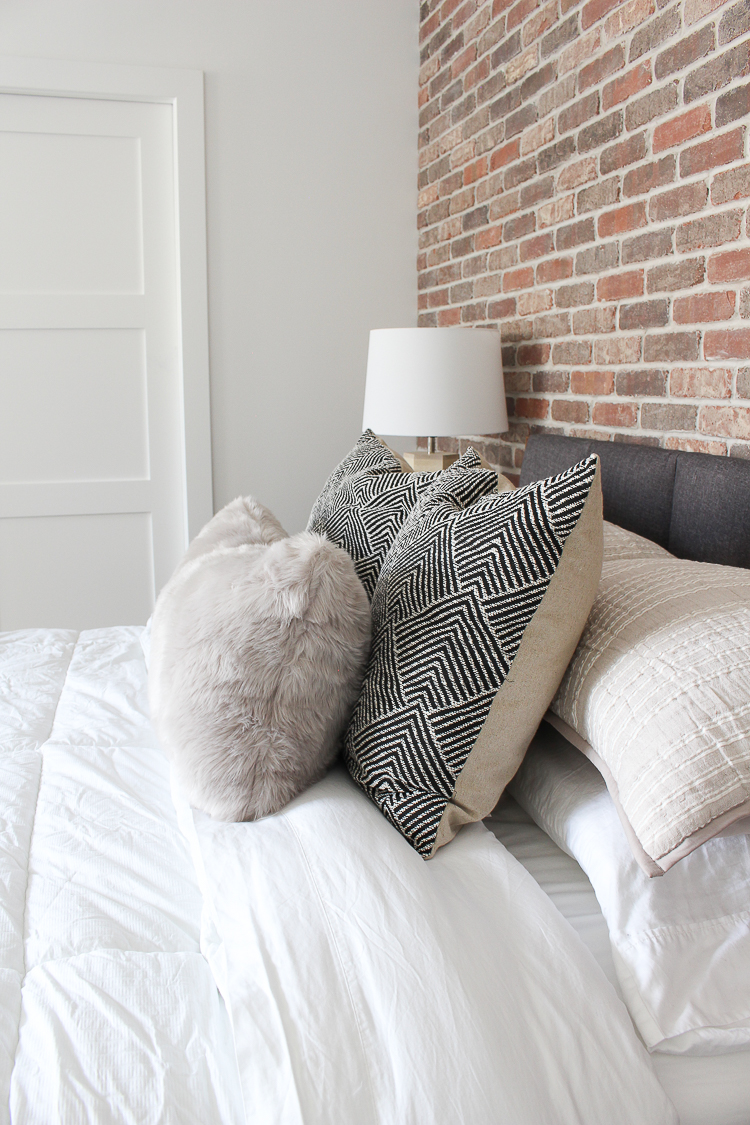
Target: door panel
{"points": [[92, 462]]}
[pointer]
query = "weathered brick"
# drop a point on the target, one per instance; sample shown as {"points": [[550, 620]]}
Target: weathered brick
{"points": [[520, 173], [507, 50], [499, 310], [710, 154], [537, 191], [570, 410], [470, 314], [597, 134], [486, 238], [717, 73], [514, 330], [516, 382], [520, 120], [549, 158], [700, 382], [670, 346], [688, 50], [641, 383], [696, 445], [551, 382], [620, 285], [743, 383], [597, 259], [591, 322], [479, 217], [531, 408], [599, 69], [697, 9], [714, 230], [639, 181], [629, 217], [628, 16], [530, 355], [539, 300], [505, 155], [725, 421], [579, 52], [654, 244], [655, 32], [564, 33], [582, 172], [620, 155], [558, 211], [575, 235], [732, 265], [519, 226], [461, 201], [537, 136], [446, 318], [654, 104], [537, 247], [626, 86], [518, 13], [727, 343], [471, 267], [522, 64], [596, 10], [555, 270], [683, 200], [614, 414], [735, 104], [569, 296], [540, 22], [682, 128], [592, 382], [645, 314], [503, 205], [488, 285], [518, 279], [572, 351], [463, 291], [680, 275], [554, 324], [745, 304], [600, 195], [734, 22], [621, 349], [668, 416], [583, 109]]}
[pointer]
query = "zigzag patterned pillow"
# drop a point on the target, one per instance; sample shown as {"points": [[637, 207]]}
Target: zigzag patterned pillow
{"points": [[477, 611], [366, 499]]}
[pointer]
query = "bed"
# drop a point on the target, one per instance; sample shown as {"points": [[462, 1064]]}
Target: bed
{"points": [[162, 966]]}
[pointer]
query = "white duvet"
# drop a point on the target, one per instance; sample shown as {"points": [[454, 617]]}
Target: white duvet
{"points": [[364, 985]]}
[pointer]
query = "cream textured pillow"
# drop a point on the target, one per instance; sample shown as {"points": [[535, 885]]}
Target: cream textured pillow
{"points": [[258, 647], [658, 696]]}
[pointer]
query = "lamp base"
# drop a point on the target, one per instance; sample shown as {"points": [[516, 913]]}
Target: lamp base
{"points": [[422, 462]]}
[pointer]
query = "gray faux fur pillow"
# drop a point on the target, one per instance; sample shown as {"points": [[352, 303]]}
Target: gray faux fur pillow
{"points": [[258, 647]]}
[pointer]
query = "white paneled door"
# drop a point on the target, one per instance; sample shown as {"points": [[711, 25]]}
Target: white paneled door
{"points": [[93, 513]]}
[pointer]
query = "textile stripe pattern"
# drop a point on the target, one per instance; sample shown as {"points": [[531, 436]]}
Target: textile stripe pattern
{"points": [[365, 502], [455, 595]]}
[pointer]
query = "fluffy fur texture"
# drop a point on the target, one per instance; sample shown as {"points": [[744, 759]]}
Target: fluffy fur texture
{"points": [[258, 647]]}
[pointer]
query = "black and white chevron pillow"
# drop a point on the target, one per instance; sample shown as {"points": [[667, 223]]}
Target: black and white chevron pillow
{"points": [[477, 611], [366, 499]]}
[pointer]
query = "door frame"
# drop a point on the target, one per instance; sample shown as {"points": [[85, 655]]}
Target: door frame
{"points": [[183, 91]]}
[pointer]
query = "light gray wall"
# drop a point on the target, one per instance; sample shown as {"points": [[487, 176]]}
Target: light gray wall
{"points": [[311, 154]]}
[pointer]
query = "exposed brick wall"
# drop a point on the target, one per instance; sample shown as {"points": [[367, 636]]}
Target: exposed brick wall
{"points": [[584, 185]]}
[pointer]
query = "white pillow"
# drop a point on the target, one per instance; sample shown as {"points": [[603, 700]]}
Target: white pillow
{"points": [[258, 648]]}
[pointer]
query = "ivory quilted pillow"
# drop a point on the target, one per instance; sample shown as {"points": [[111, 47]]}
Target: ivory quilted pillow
{"points": [[658, 696]]}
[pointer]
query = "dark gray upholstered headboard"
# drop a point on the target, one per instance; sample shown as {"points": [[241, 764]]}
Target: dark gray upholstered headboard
{"points": [[695, 505]]}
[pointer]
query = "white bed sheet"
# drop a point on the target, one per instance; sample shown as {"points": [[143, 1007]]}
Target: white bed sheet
{"points": [[709, 1090], [108, 1010]]}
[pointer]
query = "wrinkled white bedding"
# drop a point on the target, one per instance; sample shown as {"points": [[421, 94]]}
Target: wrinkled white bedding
{"points": [[108, 1010], [368, 986]]}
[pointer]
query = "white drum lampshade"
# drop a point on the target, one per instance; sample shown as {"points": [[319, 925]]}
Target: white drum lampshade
{"points": [[435, 381]]}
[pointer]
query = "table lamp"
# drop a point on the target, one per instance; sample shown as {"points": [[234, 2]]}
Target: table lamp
{"points": [[436, 381]]}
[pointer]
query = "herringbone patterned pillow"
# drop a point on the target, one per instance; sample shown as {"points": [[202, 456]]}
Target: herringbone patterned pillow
{"points": [[366, 499], [477, 611]]}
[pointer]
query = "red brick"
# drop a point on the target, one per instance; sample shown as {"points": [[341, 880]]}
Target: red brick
{"points": [[725, 421], [627, 85], [732, 265], [640, 384], [644, 314], [682, 128], [639, 181], [475, 171], [538, 300], [627, 17], [518, 279], [463, 60], [697, 445], [448, 318], [537, 247], [581, 110], [596, 71], [702, 307], [570, 410], [700, 382], [555, 270], [592, 382], [712, 230], [614, 414], [519, 11], [727, 344], [596, 10], [710, 154], [682, 275], [620, 285], [490, 236], [623, 219], [529, 355], [505, 155], [683, 200], [591, 322], [500, 310], [531, 408], [626, 152], [551, 382]]}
